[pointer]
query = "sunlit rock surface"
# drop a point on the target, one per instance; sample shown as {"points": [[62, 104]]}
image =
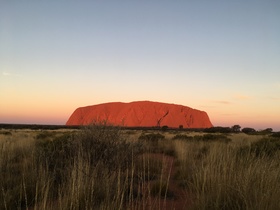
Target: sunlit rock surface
{"points": [[141, 114]]}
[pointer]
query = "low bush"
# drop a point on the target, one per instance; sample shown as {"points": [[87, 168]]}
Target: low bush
{"points": [[103, 144], [151, 137], [152, 141], [212, 138], [264, 147], [206, 138], [218, 129], [182, 137], [7, 133], [249, 130], [96, 152], [275, 135], [56, 155], [45, 135]]}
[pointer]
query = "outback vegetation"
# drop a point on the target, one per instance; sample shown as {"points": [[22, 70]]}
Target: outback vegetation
{"points": [[106, 167]]}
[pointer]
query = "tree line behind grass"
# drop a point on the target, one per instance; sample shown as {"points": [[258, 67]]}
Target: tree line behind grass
{"points": [[215, 129], [237, 129]]}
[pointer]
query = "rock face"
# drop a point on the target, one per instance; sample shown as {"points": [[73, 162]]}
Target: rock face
{"points": [[141, 114]]}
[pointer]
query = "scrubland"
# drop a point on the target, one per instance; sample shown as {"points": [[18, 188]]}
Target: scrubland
{"points": [[104, 167]]}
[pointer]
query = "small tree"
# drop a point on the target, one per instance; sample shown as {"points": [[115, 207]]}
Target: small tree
{"points": [[268, 130], [236, 128], [248, 130]]}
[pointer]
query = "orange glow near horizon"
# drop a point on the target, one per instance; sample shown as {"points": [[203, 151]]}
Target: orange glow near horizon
{"points": [[52, 114]]}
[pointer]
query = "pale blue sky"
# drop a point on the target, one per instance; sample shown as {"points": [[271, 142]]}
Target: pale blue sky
{"points": [[222, 57]]}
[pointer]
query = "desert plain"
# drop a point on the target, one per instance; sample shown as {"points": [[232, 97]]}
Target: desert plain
{"points": [[106, 167]]}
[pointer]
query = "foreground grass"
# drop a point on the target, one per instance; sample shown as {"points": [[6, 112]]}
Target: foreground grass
{"points": [[102, 167], [222, 177]]}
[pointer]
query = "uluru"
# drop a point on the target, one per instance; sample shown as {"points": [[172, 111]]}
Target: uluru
{"points": [[141, 114]]}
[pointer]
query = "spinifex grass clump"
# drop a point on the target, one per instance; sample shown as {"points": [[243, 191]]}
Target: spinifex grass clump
{"points": [[55, 155], [267, 147], [151, 137], [8, 133], [276, 135], [101, 160], [104, 144], [17, 177], [151, 140], [205, 138], [213, 138], [45, 135], [183, 137], [221, 178], [264, 147]]}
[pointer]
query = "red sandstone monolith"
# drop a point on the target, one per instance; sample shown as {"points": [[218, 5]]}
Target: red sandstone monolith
{"points": [[141, 114]]}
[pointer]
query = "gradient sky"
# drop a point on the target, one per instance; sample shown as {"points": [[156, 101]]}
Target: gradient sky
{"points": [[222, 57]]}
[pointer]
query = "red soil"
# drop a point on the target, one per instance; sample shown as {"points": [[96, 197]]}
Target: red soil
{"points": [[141, 114]]}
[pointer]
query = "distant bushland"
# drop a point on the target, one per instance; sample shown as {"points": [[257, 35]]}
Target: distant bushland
{"points": [[37, 126]]}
